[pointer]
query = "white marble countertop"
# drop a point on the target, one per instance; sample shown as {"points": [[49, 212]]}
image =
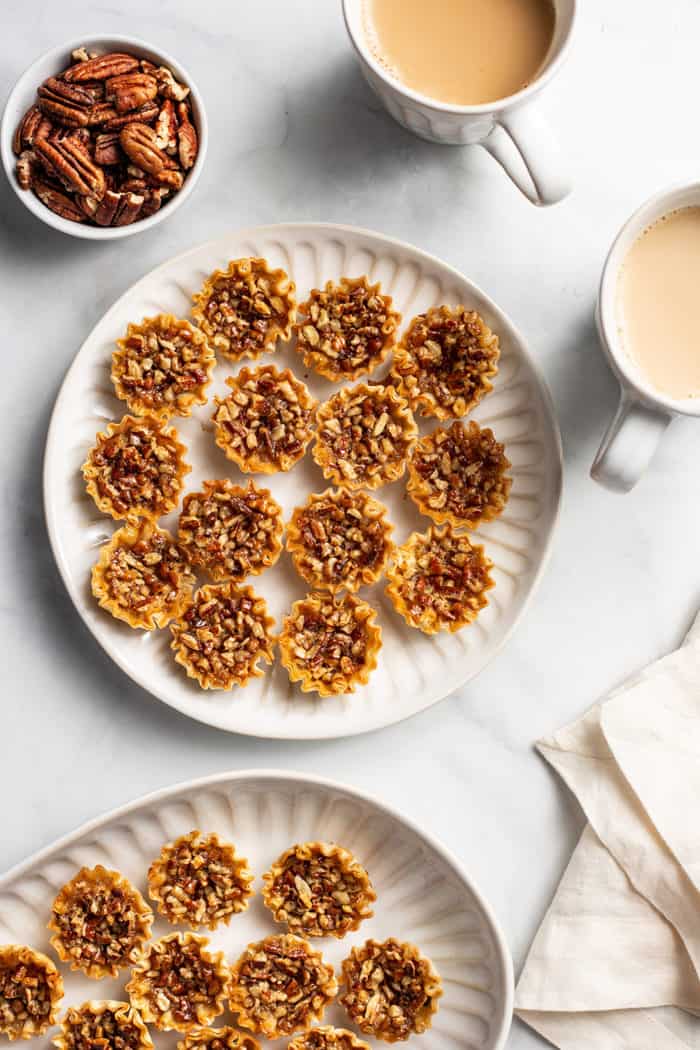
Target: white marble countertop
{"points": [[296, 134]]}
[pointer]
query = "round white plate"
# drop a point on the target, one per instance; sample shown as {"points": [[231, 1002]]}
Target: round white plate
{"points": [[414, 671], [423, 894]]}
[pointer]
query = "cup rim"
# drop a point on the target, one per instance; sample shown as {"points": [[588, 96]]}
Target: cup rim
{"points": [[510, 101], [628, 374], [11, 114]]}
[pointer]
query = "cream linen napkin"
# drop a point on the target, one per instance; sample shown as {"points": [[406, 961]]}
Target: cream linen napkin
{"points": [[621, 939]]}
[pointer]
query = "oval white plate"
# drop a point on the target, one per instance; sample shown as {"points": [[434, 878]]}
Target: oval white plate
{"points": [[423, 894], [414, 671]]}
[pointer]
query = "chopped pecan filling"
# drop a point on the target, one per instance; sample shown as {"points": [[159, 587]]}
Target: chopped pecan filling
{"points": [[137, 468], [364, 435], [328, 1038], [264, 424], [30, 989], [347, 329], [459, 474], [199, 881], [222, 635], [246, 308], [280, 985], [103, 1026], [445, 360], [318, 890], [230, 531], [340, 539], [217, 1039], [163, 366], [178, 984], [390, 990]]}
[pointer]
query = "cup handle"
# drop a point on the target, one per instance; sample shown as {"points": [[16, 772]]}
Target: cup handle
{"points": [[523, 144], [629, 444]]}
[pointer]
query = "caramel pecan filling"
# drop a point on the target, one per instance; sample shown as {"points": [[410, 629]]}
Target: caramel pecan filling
{"points": [[328, 1038], [29, 990], [108, 1028], [178, 984]]}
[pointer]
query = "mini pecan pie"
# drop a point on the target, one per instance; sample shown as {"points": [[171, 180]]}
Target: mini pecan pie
{"points": [[30, 990], [141, 576], [264, 424], [459, 475], [136, 468], [340, 539], [103, 1024], [100, 922], [229, 531], [347, 329], [177, 984], [330, 644], [280, 986], [390, 990], [163, 366], [438, 580], [217, 1039], [319, 890], [221, 636], [445, 361], [328, 1038], [199, 881], [363, 436], [246, 308]]}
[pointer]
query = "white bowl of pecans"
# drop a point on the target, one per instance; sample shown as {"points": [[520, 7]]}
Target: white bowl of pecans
{"points": [[104, 137]]}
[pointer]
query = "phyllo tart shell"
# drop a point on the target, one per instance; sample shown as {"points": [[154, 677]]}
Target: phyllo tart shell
{"points": [[319, 889], [178, 984], [328, 1038], [265, 423], [31, 989], [225, 1038], [438, 580], [340, 539], [142, 576], [329, 644], [280, 986], [229, 531], [162, 367], [459, 475], [445, 361], [246, 309], [390, 990], [364, 434], [198, 880], [100, 922], [103, 1024], [221, 636], [136, 469], [346, 330]]}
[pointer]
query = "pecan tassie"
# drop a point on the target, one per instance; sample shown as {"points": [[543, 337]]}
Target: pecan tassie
{"points": [[92, 147], [103, 1024], [330, 644], [142, 577], [177, 984], [347, 329], [100, 922], [229, 531], [340, 539], [136, 468], [225, 1038], [162, 366], [198, 880], [445, 361], [459, 475], [280, 986], [265, 423], [246, 309], [31, 989], [319, 890], [438, 580], [222, 635], [328, 1038], [390, 990], [364, 434]]}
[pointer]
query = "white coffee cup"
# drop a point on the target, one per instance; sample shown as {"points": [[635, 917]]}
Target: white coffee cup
{"points": [[511, 129], [643, 412]]}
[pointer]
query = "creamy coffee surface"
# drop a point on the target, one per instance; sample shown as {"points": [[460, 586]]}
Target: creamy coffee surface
{"points": [[463, 52], [658, 303]]}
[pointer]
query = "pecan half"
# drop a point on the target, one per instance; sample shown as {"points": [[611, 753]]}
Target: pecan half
{"points": [[69, 160], [102, 67], [81, 95], [34, 125], [118, 209], [58, 202], [65, 110], [187, 144], [166, 127], [130, 91], [139, 142], [107, 149], [145, 114], [169, 87]]}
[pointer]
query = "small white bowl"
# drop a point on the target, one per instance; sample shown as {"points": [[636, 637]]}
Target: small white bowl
{"points": [[23, 95]]}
